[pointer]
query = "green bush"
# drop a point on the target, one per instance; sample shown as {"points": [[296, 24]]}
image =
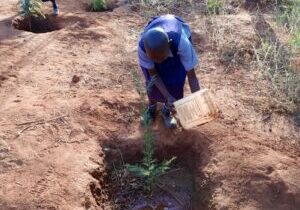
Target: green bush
{"points": [[31, 8], [214, 6], [288, 13], [98, 5]]}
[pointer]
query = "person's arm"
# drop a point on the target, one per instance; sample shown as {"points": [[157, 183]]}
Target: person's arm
{"points": [[193, 81], [189, 58], [157, 81]]}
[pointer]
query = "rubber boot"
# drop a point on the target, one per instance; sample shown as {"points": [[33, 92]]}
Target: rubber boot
{"points": [[169, 120]]}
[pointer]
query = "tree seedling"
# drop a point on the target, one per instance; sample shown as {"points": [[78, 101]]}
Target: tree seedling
{"points": [[31, 8], [149, 170]]}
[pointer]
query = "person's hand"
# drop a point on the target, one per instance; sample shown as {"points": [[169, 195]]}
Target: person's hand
{"points": [[170, 103]]}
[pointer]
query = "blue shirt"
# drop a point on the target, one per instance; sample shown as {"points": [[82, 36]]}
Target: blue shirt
{"points": [[186, 52]]}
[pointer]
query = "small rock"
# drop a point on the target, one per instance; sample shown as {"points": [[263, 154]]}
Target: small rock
{"points": [[213, 68], [2, 78], [75, 79]]}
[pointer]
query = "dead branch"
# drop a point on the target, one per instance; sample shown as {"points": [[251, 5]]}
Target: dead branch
{"points": [[73, 142], [171, 193], [42, 121], [171, 171], [37, 122]]}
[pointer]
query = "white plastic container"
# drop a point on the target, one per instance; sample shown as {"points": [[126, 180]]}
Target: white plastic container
{"points": [[196, 109]]}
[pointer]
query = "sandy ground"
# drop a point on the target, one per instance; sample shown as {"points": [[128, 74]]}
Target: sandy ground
{"points": [[51, 130]]}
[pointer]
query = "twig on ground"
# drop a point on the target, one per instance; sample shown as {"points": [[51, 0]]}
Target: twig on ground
{"points": [[72, 142], [171, 193], [121, 155], [171, 171], [30, 122], [120, 76], [116, 172], [42, 120], [24, 129], [37, 122]]}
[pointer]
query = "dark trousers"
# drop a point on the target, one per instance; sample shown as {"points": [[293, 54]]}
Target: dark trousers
{"points": [[53, 3]]}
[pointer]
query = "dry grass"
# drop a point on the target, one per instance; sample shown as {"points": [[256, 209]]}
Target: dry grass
{"points": [[248, 41], [233, 46], [273, 59], [278, 60], [151, 8]]}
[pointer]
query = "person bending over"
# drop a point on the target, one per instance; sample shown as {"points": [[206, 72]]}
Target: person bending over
{"points": [[166, 56]]}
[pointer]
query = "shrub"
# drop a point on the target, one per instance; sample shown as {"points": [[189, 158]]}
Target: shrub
{"points": [[288, 14], [214, 6], [98, 5]]}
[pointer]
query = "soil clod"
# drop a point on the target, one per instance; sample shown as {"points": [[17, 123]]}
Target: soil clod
{"points": [[75, 79]]}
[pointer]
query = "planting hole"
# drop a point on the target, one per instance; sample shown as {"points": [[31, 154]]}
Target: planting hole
{"points": [[176, 189], [36, 24]]}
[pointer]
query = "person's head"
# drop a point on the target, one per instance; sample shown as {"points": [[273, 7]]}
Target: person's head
{"points": [[156, 42]]}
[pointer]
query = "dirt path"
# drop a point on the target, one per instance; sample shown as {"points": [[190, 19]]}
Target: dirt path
{"points": [[244, 160]]}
